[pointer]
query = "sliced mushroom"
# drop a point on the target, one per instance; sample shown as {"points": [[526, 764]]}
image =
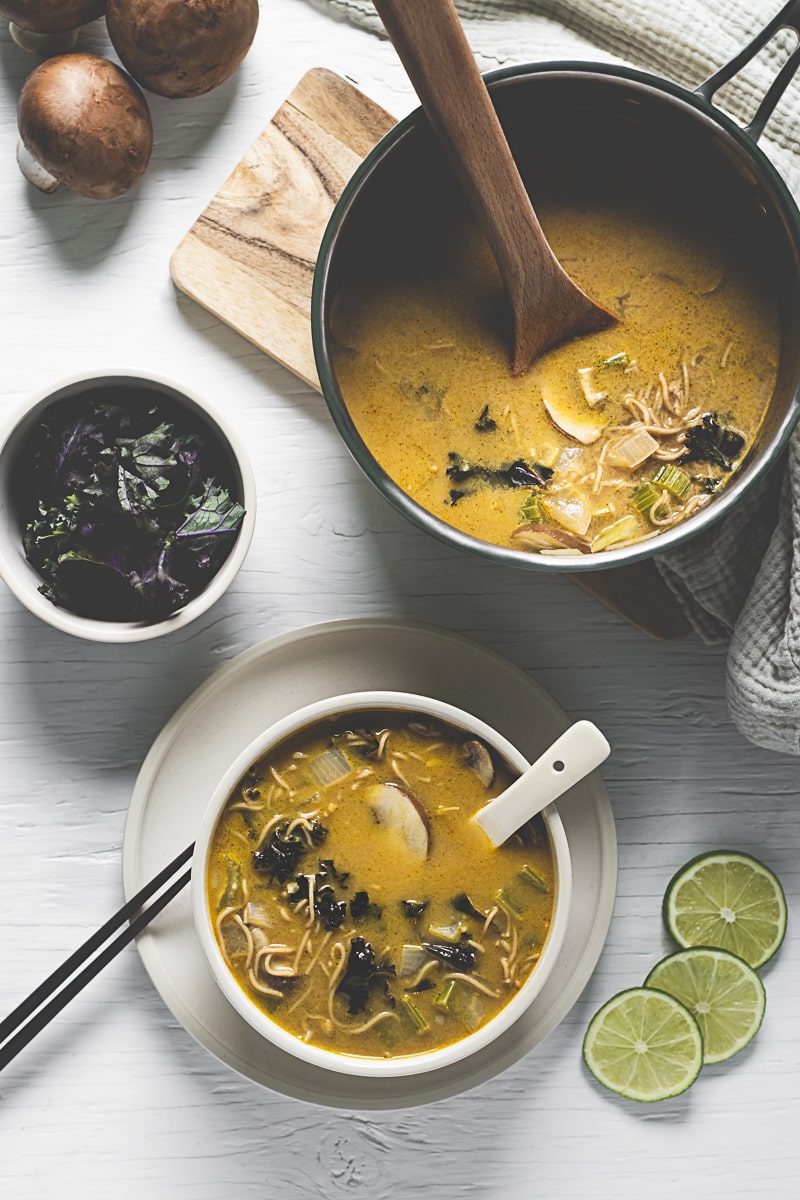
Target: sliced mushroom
{"points": [[180, 49], [397, 809], [85, 125], [425, 729], [572, 416], [479, 760], [548, 537], [49, 26]]}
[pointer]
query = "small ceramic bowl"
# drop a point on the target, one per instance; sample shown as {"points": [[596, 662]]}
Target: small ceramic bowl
{"points": [[260, 1021], [125, 387]]}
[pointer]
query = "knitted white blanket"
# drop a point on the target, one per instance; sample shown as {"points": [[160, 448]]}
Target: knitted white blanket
{"points": [[740, 580]]}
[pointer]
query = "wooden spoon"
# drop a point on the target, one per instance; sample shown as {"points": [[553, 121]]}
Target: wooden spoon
{"points": [[547, 306]]}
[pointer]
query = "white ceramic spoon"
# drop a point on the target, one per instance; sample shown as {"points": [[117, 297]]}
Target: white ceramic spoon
{"points": [[570, 758]]}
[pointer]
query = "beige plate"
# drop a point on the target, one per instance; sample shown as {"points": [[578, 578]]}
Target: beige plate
{"points": [[215, 724]]}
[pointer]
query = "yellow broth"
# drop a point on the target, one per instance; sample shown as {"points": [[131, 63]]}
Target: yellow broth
{"points": [[421, 355], [486, 912]]}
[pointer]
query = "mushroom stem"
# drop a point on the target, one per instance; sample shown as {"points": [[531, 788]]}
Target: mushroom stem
{"points": [[33, 170], [43, 44]]}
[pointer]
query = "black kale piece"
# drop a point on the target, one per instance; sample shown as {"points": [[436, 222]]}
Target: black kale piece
{"points": [[362, 906], [326, 867], [712, 442], [281, 854], [519, 474], [463, 904], [361, 973], [330, 911], [461, 957], [708, 483], [484, 423], [414, 908], [455, 496], [362, 742], [317, 833], [424, 985], [515, 474]]}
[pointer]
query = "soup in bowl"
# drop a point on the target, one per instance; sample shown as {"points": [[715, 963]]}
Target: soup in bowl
{"points": [[349, 908]]}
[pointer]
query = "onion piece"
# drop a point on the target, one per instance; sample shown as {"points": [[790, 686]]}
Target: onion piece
{"points": [[546, 537], [412, 959], [632, 451], [329, 768], [569, 508], [258, 914]]}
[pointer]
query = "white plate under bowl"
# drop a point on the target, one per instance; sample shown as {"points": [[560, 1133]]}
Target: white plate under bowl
{"points": [[225, 714]]}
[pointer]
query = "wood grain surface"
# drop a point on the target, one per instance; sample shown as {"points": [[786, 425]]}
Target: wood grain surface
{"points": [[116, 1101], [250, 256]]}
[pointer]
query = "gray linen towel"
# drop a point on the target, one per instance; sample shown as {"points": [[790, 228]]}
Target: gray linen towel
{"points": [[739, 581]]}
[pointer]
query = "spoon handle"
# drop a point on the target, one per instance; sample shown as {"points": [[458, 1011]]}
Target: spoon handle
{"points": [[547, 307], [570, 758], [433, 48]]}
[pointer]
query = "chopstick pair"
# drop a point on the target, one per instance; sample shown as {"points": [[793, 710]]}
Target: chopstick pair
{"points": [[48, 999]]}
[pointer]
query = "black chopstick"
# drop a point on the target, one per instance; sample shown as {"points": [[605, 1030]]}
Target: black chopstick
{"points": [[15, 1033]]}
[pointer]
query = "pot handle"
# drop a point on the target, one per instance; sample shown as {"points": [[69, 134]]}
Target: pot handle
{"points": [[787, 18]]}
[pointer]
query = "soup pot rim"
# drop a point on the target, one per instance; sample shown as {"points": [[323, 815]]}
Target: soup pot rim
{"points": [[698, 106], [259, 1020]]}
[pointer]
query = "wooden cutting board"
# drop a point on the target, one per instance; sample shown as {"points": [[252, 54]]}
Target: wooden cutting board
{"points": [[250, 256]]}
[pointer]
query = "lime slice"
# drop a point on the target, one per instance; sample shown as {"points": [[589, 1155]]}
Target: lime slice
{"points": [[728, 900], [724, 994], [645, 1045]]}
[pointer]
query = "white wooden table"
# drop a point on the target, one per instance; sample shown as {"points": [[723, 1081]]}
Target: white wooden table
{"points": [[115, 1099]]}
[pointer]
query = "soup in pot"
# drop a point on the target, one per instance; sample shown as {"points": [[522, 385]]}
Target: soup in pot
{"points": [[608, 439], [356, 903]]}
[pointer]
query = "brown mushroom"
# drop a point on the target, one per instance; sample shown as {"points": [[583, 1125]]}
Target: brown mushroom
{"points": [[49, 26], [84, 124], [548, 537], [397, 809], [180, 49], [479, 760]]}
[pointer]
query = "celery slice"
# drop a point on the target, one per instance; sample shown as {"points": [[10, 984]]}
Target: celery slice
{"points": [[620, 531], [644, 498], [510, 902], [616, 360], [674, 480], [532, 509]]}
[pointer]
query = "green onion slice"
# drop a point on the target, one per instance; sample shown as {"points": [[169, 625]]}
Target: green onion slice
{"points": [[443, 998], [414, 1013]]}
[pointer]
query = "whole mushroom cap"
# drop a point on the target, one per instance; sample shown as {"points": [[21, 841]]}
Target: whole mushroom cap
{"points": [[51, 16], [87, 124], [181, 48]]}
